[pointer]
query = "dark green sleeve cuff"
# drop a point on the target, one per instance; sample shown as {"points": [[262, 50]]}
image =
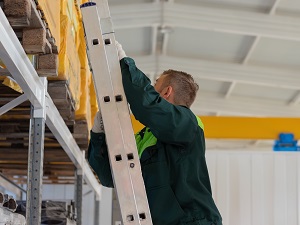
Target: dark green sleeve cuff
{"points": [[125, 62], [99, 160]]}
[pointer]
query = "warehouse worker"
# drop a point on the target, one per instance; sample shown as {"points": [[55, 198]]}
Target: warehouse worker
{"points": [[171, 147]]}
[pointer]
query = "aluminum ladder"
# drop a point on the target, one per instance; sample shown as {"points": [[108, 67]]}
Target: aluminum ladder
{"points": [[122, 150]]}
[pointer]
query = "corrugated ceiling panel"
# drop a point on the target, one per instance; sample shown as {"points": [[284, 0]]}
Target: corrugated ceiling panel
{"points": [[135, 41], [274, 93], [279, 53], [207, 44]]}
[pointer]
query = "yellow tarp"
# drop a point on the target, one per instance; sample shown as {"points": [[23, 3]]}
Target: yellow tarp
{"points": [[93, 101], [64, 21], [69, 64], [51, 10], [12, 84]]}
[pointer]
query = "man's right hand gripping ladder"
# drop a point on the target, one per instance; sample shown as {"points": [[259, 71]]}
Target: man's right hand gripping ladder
{"points": [[123, 154]]}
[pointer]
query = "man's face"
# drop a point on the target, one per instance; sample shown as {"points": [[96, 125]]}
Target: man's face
{"points": [[158, 86]]}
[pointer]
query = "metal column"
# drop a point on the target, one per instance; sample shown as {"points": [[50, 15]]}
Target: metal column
{"points": [[35, 161], [78, 196], [96, 211]]}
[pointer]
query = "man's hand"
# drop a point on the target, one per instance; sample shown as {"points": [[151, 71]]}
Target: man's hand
{"points": [[121, 52], [98, 126]]}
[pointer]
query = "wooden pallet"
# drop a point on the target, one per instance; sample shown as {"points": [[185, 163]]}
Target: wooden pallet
{"points": [[32, 30], [14, 136], [33, 33]]}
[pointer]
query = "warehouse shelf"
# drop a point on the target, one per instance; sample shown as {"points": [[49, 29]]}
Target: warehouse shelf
{"points": [[43, 111]]}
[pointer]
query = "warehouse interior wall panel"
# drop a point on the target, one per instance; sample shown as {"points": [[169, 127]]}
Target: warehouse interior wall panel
{"points": [[249, 188], [65, 192], [255, 188]]}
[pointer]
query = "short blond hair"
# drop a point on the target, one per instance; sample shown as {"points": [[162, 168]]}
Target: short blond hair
{"points": [[185, 88]]}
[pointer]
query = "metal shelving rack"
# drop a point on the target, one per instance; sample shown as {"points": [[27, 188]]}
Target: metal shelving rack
{"points": [[43, 112]]}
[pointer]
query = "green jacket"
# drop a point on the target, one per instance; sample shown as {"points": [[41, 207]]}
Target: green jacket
{"points": [[172, 155]]}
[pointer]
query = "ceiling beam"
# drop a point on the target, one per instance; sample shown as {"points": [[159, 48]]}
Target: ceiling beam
{"points": [[154, 39], [249, 127], [243, 106], [221, 71], [207, 18], [274, 7], [226, 127], [253, 46], [251, 49], [295, 100], [165, 43], [136, 15], [257, 38], [230, 89]]}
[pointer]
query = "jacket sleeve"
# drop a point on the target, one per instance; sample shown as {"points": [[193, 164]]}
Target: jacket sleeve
{"points": [[98, 158], [168, 122]]}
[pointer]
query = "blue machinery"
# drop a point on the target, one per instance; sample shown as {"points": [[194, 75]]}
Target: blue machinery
{"points": [[286, 142]]}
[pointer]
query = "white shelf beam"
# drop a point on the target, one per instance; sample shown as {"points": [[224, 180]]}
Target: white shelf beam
{"points": [[12, 104], [18, 64]]}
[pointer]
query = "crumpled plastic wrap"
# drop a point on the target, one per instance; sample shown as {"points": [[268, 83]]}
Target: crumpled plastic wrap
{"points": [[53, 212]]}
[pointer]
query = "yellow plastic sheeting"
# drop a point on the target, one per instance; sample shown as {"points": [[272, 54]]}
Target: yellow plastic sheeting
{"points": [[84, 110], [72, 54], [9, 82], [51, 10], [137, 126], [93, 101], [93, 105], [69, 63], [2, 64], [243, 127], [12, 84]]}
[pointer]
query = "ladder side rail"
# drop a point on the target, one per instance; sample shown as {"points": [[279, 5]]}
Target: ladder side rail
{"points": [[103, 8], [123, 112], [107, 105], [126, 127]]}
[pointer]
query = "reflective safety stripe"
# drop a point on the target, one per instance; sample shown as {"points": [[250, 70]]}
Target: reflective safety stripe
{"points": [[200, 123], [144, 139]]}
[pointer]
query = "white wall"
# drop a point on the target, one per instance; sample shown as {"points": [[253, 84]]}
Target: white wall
{"points": [[255, 188], [66, 192], [250, 188]]}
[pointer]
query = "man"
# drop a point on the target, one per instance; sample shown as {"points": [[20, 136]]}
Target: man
{"points": [[171, 147]]}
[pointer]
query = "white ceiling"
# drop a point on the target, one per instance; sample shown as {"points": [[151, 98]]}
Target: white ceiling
{"points": [[244, 54]]}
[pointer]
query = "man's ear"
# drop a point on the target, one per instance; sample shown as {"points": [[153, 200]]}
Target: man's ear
{"points": [[168, 91]]}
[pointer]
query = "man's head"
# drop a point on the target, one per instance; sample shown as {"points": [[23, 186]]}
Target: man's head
{"points": [[177, 87]]}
